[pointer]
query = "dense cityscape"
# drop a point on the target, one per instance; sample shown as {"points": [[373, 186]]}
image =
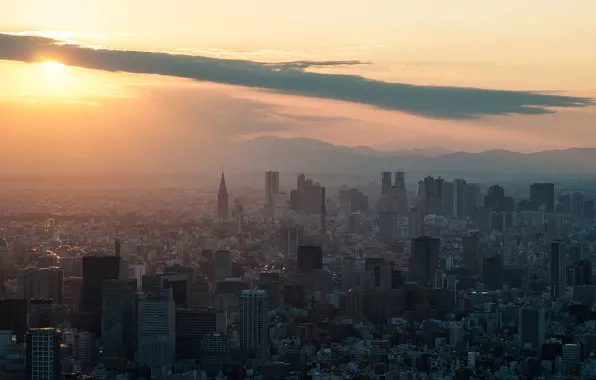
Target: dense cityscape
{"points": [[429, 279]]}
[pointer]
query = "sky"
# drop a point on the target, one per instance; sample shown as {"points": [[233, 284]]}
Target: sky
{"points": [[149, 77]]}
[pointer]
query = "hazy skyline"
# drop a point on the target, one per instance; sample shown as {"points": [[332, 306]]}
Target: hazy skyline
{"points": [[152, 78]]}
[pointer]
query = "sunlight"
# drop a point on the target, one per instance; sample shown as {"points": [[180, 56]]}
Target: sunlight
{"points": [[53, 66]]}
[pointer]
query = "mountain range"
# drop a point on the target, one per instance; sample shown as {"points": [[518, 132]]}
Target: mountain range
{"points": [[309, 155]]}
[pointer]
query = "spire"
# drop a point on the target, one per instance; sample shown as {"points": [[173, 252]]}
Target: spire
{"points": [[222, 184]]}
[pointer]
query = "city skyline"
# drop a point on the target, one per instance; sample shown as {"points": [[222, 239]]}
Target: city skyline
{"points": [[398, 76]]}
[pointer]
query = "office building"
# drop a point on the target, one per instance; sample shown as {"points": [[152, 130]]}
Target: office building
{"points": [[470, 252], [40, 313], [377, 274], [578, 205], [424, 259], [156, 329], [416, 222], [192, 325], [118, 319], [254, 323], [492, 272], [38, 283], [310, 257], [222, 200], [460, 192], [350, 278], [13, 316], [96, 269], [215, 351], [85, 347], [386, 183], [531, 328], [222, 265], [271, 188], [543, 194], [558, 269], [43, 361]]}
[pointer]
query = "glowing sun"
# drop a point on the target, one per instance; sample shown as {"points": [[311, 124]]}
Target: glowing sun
{"points": [[53, 66]]}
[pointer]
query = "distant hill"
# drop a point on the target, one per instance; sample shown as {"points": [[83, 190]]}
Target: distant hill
{"points": [[301, 154]]}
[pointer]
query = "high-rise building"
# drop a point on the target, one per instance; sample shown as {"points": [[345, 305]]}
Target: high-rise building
{"points": [[558, 268], [386, 183], [118, 319], [447, 199], [40, 313], [96, 269], [577, 205], [45, 283], [156, 329], [310, 257], [470, 252], [13, 316], [253, 323], [492, 272], [388, 227], [543, 194], [459, 198], [222, 199], [214, 353], [473, 198], [378, 274], [349, 274], [271, 188], [192, 325], [222, 265], [416, 222], [424, 259], [531, 328], [433, 195], [43, 360]]}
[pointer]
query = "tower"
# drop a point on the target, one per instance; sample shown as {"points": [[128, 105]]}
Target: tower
{"points": [[558, 268], [222, 199], [271, 188], [43, 354]]}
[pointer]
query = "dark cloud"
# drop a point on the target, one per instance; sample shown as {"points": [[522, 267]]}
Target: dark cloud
{"points": [[428, 101]]}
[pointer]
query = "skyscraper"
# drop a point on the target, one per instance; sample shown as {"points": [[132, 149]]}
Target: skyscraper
{"points": [[271, 188], [577, 205], [543, 194], [222, 265], [118, 319], [558, 268], [41, 283], [222, 199], [459, 198], [416, 222], [43, 355], [531, 328], [156, 329], [96, 269], [470, 247], [253, 323], [386, 183], [424, 258]]}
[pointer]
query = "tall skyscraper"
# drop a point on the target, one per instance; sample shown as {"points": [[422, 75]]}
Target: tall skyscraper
{"points": [[378, 274], [253, 323], [271, 188], [531, 328], [459, 198], [558, 268], [118, 319], [577, 205], [222, 199], [424, 259], [447, 199], [43, 355], [96, 269], [156, 329], [470, 248], [349, 274], [416, 222], [192, 325], [543, 194], [386, 183]]}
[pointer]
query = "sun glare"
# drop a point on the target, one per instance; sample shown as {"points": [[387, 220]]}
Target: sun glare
{"points": [[53, 66]]}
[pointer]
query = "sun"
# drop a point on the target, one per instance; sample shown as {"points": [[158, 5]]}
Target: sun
{"points": [[53, 66]]}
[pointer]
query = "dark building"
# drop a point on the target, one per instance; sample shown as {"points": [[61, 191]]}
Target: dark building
{"points": [[177, 282], [96, 269], [424, 259], [310, 257], [13, 317], [118, 319], [192, 325], [40, 313], [589, 209], [492, 272], [215, 351], [43, 357], [558, 268], [222, 199], [543, 194], [470, 250]]}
